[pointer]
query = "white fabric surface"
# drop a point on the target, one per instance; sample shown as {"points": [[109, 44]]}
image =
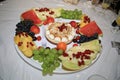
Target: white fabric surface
{"points": [[12, 67]]}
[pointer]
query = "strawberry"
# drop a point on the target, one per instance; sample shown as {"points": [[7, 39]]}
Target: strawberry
{"points": [[73, 24], [35, 29], [39, 38], [49, 20]]}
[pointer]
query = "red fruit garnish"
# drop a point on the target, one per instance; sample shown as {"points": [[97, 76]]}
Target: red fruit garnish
{"points": [[77, 31], [39, 38], [77, 37], [85, 17], [75, 45], [62, 27], [62, 46], [73, 24], [49, 20], [79, 63], [65, 54], [35, 29]]}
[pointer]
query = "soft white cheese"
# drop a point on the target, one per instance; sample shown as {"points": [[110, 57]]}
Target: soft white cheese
{"points": [[64, 39], [47, 32], [70, 37], [51, 36], [57, 39]]}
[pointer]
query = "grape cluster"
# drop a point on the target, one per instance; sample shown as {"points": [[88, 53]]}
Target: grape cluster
{"points": [[71, 14], [24, 26], [49, 59], [83, 38]]}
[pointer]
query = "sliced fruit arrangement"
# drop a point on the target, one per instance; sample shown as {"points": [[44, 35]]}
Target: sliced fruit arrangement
{"points": [[47, 15], [83, 36], [31, 15], [41, 15], [79, 57], [25, 44]]}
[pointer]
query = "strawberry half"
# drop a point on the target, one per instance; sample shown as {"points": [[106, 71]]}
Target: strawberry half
{"points": [[35, 29], [49, 20], [73, 24]]}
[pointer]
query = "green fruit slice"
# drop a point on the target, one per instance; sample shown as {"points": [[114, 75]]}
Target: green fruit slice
{"points": [[69, 65]]}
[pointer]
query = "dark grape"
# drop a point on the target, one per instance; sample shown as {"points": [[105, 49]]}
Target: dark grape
{"points": [[84, 38], [31, 34], [24, 26], [74, 40], [34, 38]]}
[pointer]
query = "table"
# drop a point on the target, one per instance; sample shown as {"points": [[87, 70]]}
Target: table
{"points": [[12, 67]]}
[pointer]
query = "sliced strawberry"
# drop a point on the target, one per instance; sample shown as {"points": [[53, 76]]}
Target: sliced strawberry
{"points": [[49, 20], [35, 29], [73, 24]]}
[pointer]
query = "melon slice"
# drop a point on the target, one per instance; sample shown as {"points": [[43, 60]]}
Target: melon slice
{"points": [[90, 29], [72, 64], [31, 15]]}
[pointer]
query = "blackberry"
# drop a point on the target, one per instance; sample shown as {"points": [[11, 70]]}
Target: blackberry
{"points": [[24, 26], [74, 40], [31, 34], [34, 38]]}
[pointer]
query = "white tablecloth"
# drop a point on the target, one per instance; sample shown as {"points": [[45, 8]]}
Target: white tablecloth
{"points": [[12, 67]]}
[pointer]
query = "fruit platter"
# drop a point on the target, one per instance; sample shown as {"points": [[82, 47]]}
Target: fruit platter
{"points": [[56, 40]]}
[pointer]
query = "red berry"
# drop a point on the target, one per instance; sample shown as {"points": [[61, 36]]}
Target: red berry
{"points": [[77, 31], [49, 20], [79, 63], [39, 38], [65, 54], [75, 45], [85, 17], [78, 37], [35, 29], [73, 24]]}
